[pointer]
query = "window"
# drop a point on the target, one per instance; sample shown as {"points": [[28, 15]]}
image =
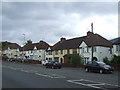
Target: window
{"points": [[94, 49], [117, 47], [61, 51], [29, 51], [50, 58], [74, 51], [46, 52], [94, 64], [56, 52], [68, 51], [86, 60], [39, 51], [85, 50], [110, 50], [49, 52]]}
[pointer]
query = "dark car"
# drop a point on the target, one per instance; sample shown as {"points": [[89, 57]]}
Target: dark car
{"points": [[100, 67], [18, 59], [53, 64], [11, 59], [27, 60]]}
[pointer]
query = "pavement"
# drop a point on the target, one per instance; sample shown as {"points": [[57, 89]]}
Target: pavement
{"points": [[20, 75]]}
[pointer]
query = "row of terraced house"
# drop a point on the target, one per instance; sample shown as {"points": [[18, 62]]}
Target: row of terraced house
{"points": [[65, 47]]}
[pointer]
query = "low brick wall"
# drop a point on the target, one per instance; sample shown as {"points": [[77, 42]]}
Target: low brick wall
{"points": [[116, 66], [33, 62]]}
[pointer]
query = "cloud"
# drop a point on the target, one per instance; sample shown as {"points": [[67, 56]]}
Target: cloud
{"points": [[52, 20]]}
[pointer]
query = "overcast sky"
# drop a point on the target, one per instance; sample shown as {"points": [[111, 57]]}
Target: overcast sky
{"points": [[50, 21]]}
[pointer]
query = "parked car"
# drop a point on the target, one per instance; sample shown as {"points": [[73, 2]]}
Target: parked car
{"points": [[11, 59], [18, 59], [96, 66], [44, 62], [53, 64], [28, 60]]}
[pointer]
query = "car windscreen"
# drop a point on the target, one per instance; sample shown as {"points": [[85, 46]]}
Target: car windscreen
{"points": [[101, 63]]}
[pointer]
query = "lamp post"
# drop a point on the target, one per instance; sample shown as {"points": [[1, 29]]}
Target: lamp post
{"points": [[23, 43]]}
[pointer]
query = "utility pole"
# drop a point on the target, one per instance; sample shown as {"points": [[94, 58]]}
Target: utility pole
{"points": [[92, 45]]}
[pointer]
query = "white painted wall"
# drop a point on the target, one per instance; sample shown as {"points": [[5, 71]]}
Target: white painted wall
{"points": [[115, 52], [101, 52], [49, 56], [35, 54], [12, 52], [104, 52]]}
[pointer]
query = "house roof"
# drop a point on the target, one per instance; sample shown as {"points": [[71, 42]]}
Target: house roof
{"points": [[114, 40], [90, 39], [11, 46], [40, 45], [97, 40], [117, 42], [68, 44]]}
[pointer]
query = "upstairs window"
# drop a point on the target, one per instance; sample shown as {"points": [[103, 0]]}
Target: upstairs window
{"points": [[117, 47], [49, 52], [110, 50], [61, 51], [46, 52], [85, 50], [94, 49], [74, 51], [56, 52], [68, 52]]}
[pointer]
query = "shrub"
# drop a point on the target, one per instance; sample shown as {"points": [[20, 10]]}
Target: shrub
{"points": [[105, 60], [4, 57], [115, 60], [75, 59]]}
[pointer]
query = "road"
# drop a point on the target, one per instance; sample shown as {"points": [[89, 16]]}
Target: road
{"points": [[19, 75]]}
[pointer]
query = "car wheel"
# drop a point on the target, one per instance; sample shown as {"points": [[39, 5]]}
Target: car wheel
{"points": [[101, 71], [86, 69]]}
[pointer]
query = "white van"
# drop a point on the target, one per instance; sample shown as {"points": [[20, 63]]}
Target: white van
{"points": [[44, 62]]}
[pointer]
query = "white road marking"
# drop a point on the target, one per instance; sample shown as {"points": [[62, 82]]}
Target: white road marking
{"points": [[18, 68], [43, 75], [32, 71], [24, 70], [88, 85], [101, 82], [58, 76], [95, 85], [50, 75]]}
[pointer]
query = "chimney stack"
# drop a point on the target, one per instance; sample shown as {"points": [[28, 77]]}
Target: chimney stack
{"points": [[62, 39], [89, 33]]}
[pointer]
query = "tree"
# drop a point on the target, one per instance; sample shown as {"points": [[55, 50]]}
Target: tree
{"points": [[75, 59], [29, 42], [3, 44]]}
